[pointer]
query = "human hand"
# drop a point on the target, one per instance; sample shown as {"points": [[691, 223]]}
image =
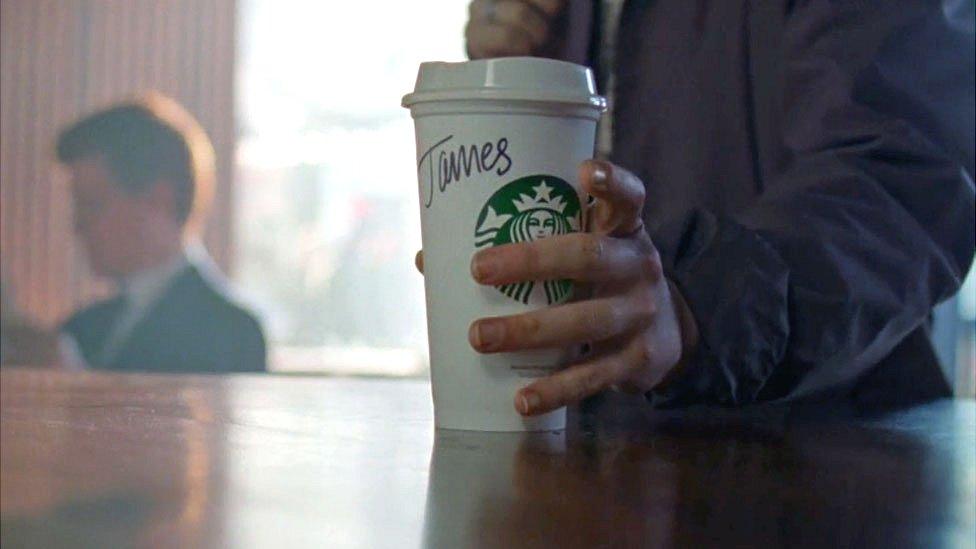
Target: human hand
{"points": [[507, 28], [633, 319]]}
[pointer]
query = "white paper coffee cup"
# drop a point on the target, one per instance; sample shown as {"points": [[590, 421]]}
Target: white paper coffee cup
{"points": [[499, 142]]}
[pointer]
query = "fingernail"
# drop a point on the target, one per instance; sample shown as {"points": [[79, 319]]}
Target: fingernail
{"points": [[482, 268], [528, 401], [487, 335], [599, 176]]}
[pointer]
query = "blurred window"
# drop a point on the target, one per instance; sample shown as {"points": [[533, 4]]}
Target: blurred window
{"points": [[954, 333], [327, 218]]}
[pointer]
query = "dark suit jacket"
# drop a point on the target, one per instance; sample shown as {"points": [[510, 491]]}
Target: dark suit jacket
{"points": [[809, 183], [194, 327]]}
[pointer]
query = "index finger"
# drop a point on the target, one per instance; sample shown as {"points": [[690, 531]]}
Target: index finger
{"points": [[583, 257]]}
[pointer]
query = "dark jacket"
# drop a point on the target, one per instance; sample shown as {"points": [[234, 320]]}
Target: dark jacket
{"points": [[193, 328], [809, 184]]}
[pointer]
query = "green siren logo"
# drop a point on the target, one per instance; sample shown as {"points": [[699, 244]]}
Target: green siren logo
{"points": [[527, 209]]}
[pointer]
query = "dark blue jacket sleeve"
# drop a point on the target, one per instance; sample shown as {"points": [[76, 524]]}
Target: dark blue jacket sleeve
{"points": [[868, 225]]}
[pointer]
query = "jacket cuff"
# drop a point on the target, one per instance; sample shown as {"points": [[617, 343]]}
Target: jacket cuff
{"points": [[736, 287]]}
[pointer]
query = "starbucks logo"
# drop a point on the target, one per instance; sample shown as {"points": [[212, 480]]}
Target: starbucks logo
{"points": [[528, 209]]}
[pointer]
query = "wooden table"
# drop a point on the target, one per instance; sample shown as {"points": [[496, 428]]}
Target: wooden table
{"points": [[102, 460]]}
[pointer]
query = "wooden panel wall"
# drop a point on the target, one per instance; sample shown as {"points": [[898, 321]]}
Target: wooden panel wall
{"points": [[60, 59]]}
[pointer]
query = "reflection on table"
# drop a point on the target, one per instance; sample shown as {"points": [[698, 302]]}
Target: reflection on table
{"points": [[103, 460]]}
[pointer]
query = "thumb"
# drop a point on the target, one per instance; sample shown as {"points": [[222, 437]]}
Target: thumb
{"points": [[619, 198]]}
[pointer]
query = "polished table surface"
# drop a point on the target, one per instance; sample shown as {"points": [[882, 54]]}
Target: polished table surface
{"points": [[103, 460]]}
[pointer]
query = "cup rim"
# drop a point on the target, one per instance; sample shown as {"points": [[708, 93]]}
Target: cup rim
{"points": [[596, 102]]}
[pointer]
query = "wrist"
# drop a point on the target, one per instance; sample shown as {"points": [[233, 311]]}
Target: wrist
{"points": [[688, 328]]}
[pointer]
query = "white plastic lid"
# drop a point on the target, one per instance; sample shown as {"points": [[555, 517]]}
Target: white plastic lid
{"points": [[506, 79]]}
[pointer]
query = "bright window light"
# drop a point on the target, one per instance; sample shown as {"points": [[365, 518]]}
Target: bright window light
{"points": [[327, 219]]}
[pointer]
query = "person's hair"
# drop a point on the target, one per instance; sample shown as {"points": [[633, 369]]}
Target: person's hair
{"points": [[144, 142]]}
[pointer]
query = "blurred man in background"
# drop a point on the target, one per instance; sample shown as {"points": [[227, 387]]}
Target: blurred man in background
{"points": [[141, 176], [790, 194]]}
